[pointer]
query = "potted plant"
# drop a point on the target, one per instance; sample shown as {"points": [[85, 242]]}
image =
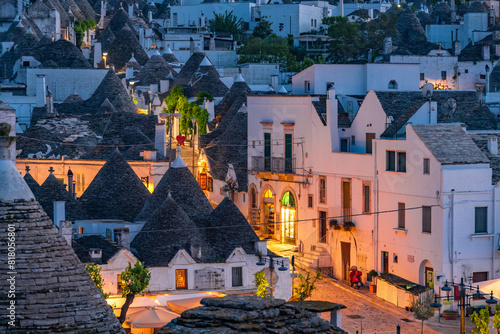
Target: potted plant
{"points": [[373, 274], [450, 314]]}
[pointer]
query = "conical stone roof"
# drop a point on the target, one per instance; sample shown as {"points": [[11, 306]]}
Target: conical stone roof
{"points": [[111, 88], [115, 193], [168, 230], [169, 56], [477, 7], [86, 9], [74, 97], [155, 69], [124, 46], [54, 293], [239, 88], [106, 108], [236, 231], [184, 189], [64, 53], [32, 184], [52, 190], [120, 20], [106, 38]]}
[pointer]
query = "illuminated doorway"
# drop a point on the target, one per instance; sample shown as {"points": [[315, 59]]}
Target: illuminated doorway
{"points": [[268, 214], [288, 217]]}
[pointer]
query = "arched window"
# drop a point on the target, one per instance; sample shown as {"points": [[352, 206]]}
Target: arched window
{"points": [[288, 217], [253, 198], [392, 84]]}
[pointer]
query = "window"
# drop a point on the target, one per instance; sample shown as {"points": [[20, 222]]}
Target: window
{"points": [[443, 75], [481, 220], [466, 70], [344, 145], [80, 230], [369, 141], [402, 162], [237, 276], [80, 182], [353, 140], [181, 279], [392, 84], [322, 189], [267, 151], [307, 86], [422, 76], [426, 219], [312, 22], [288, 153], [310, 201], [330, 85], [427, 166], [119, 283], [366, 198], [394, 258], [401, 215], [253, 198], [26, 64], [390, 161], [479, 276]]}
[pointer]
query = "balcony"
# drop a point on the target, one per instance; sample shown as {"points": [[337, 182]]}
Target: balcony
{"points": [[273, 165], [343, 220]]}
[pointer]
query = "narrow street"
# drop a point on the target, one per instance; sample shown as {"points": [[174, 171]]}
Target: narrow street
{"points": [[366, 313]]}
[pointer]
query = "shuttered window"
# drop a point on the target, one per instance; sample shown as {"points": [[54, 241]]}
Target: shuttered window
{"points": [[237, 276], [481, 220]]}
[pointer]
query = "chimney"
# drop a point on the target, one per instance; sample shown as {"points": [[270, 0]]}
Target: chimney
{"points": [[131, 11], [97, 54], [485, 51], [153, 88], [210, 106], [65, 230], [261, 247], [50, 102], [370, 12], [19, 8], [332, 119], [71, 188], [59, 212], [164, 86], [161, 139], [108, 234], [457, 48], [149, 155], [212, 43], [129, 72], [122, 237], [96, 255], [150, 16], [103, 15], [8, 116], [387, 45], [196, 251], [274, 82], [493, 145], [41, 100], [191, 45], [341, 5]]}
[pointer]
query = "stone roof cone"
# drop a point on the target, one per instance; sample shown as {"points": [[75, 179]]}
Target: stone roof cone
{"points": [[169, 56], [31, 182], [54, 293], [116, 192], [185, 191]]}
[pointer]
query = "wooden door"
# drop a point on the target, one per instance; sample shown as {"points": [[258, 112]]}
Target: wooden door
{"points": [[322, 226], [345, 250]]}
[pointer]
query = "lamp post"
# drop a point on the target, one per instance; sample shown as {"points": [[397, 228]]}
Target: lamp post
{"points": [[463, 298], [272, 261], [104, 55], [132, 83], [193, 120]]}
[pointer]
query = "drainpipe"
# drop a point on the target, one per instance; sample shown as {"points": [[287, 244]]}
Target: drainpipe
{"points": [[493, 248], [375, 234], [452, 248]]}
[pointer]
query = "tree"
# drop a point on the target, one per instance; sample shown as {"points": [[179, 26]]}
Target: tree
{"points": [[261, 284], [496, 319], [94, 271], [226, 22], [307, 284], [81, 27], [481, 322], [423, 310], [273, 49], [134, 281], [263, 28]]}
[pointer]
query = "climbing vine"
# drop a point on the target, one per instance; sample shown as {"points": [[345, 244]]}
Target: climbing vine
{"points": [[81, 28], [178, 102]]}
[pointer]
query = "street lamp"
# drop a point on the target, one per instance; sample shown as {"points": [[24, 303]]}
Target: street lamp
{"points": [[272, 261], [132, 83], [463, 298], [193, 120], [104, 55]]}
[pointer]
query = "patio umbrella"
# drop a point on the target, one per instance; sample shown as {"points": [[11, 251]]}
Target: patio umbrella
{"points": [[491, 285], [151, 317]]}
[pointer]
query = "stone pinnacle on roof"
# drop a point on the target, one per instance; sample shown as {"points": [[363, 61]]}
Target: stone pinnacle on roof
{"points": [[178, 163], [54, 293], [239, 78], [205, 62], [31, 182], [12, 185], [116, 192]]}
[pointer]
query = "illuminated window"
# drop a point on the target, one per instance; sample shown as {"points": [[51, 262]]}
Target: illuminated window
{"points": [[181, 279], [119, 283], [288, 212], [268, 194], [80, 182]]}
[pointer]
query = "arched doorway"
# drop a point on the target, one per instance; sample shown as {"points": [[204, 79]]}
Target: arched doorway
{"points": [[426, 274], [288, 217], [268, 207]]}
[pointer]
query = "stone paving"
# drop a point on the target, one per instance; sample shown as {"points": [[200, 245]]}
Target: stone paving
{"points": [[366, 313]]}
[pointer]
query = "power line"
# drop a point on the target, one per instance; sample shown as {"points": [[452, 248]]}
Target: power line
{"points": [[300, 221]]}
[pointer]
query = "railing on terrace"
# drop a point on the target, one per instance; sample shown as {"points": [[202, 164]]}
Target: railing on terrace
{"points": [[273, 165]]}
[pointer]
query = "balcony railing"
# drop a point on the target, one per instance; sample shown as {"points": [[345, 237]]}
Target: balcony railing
{"points": [[273, 165]]}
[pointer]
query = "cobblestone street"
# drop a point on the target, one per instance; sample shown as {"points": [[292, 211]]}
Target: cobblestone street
{"points": [[366, 313]]}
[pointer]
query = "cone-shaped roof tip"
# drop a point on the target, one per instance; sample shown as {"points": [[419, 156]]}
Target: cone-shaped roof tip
{"points": [[282, 90], [205, 62], [156, 53], [12, 184], [178, 162], [168, 51], [239, 78]]}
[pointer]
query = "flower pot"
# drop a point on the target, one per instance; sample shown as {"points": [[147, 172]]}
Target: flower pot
{"points": [[450, 315], [373, 288]]}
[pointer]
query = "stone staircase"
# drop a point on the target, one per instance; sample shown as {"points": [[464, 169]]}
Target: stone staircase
{"points": [[314, 258]]}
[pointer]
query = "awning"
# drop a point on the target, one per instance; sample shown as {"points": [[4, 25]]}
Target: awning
{"points": [[151, 317]]}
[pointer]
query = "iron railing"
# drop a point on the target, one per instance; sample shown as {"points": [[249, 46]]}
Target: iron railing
{"points": [[273, 165]]}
